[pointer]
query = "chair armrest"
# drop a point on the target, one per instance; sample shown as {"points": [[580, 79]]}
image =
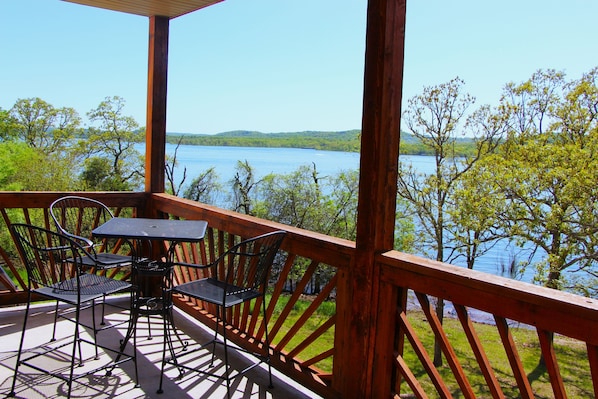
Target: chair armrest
{"points": [[193, 265], [85, 242]]}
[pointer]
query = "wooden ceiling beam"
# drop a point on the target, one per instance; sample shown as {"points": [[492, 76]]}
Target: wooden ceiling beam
{"points": [[149, 8]]}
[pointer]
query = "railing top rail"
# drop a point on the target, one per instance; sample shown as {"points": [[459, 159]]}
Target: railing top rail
{"points": [[43, 199], [548, 309]]}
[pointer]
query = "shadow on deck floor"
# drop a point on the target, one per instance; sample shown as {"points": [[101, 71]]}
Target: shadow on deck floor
{"points": [[30, 384]]}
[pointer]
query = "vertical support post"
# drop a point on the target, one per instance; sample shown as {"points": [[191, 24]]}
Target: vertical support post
{"points": [[385, 41], [155, 135]]}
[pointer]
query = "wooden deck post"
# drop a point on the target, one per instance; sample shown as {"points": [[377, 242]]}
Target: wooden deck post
{"points": [[380, 138], [155, 136]]}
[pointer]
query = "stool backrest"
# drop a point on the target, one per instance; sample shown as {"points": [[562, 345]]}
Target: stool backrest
{"points": [[51, 259], [247, 265]]}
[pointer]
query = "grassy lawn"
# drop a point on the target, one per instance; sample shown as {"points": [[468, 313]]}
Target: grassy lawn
{"points": [[571, 354], [322, 344]]}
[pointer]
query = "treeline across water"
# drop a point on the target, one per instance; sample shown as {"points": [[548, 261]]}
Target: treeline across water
{"points": [[347, 141]]}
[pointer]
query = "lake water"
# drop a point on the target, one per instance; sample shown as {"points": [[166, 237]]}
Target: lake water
{"points": [[264, 161]]}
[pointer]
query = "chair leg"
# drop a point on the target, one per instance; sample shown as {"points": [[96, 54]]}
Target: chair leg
{"points": [[226, 366], [131, 333], [103, 321], [149, 328], [267, 343], [55, 321], [76, 344], [216, 336], [17, 364], [166, 333], [170, 317], [137, 385], [94, 327]]}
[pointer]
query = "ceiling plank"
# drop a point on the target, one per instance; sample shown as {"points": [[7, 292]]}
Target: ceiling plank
{"points": [[148, 8]]}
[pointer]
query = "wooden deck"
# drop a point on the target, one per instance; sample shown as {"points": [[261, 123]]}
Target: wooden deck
{"points": [[121, 383]]}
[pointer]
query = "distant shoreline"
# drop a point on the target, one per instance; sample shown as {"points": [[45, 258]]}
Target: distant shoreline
{"points": [[346, 141]]}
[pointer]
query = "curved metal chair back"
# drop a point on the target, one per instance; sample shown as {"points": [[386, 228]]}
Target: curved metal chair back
{"points": [[245, 268], [45, 254], [76, 217]]}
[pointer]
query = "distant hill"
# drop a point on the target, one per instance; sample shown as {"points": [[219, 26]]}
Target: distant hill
{"points": [[348, 140], [347, 134], [333, 141]]}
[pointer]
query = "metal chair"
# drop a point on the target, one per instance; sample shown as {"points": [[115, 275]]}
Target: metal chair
{"points": [[76, 217], [55, 270], [237, 276]]}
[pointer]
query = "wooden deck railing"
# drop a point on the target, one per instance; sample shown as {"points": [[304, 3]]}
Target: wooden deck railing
{"points": [[305, 255], [506, 301], [403, 279]]}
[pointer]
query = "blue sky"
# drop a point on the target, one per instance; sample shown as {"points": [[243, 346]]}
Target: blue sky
{"points": [[281, 65]]}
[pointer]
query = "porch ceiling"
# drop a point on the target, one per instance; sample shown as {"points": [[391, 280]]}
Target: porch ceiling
{"points": [[148, 8]]}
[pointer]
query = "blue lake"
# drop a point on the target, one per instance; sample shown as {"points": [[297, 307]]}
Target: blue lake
{"points": [[197, 159], [263, 160]]}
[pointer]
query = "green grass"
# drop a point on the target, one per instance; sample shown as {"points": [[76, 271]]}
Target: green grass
{"points": [[571, 354], [322, 344]]}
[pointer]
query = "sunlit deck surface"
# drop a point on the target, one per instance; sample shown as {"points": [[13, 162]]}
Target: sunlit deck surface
{"points": [[121, 383]]}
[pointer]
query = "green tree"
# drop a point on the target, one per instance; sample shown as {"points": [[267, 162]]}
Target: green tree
{"points": [[344, 189], [42, 126], [114, 139], [205, 188], [437, 119], [472, 225], [97, 176], [28, 169], [244, 185], [296, 199], [546, 172], [307, 200], [434, 117], [6, 131]]}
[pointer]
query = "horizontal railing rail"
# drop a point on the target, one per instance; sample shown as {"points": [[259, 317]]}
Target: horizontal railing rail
{"points": [[406, 355]]}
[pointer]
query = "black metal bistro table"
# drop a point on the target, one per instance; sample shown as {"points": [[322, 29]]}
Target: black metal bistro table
{"points": [[152, 279], [136, 229]]}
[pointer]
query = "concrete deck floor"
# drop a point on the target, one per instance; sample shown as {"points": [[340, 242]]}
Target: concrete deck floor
{"points": [[30, 384]]}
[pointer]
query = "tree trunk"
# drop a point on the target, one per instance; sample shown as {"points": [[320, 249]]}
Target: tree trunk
{"points": [[437, 348]]}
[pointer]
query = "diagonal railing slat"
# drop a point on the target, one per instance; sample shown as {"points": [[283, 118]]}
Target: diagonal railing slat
{"points": [[292, 300], [423, 356], [478, 351], [411, 379], [307, 314], [446, 346], [549, 356], [313, 337], [525, 389], [593, 361]]}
